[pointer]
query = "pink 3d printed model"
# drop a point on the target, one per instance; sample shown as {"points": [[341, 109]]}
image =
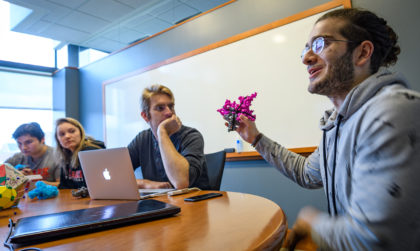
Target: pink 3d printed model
{"points": [[232, 111]]}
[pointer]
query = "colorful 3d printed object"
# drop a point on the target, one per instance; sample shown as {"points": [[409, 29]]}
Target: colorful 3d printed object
{"points": [[10, 177], [231, 111], [8, 197], [43, 191]]}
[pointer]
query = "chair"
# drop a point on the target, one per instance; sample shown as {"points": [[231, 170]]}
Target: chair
{"points": [[215, 166]]}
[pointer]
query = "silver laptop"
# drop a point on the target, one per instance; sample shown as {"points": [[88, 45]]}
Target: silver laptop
{"points": [[109, 174]]}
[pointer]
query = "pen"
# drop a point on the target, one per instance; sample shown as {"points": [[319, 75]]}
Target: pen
{"points": [[182, 191]]}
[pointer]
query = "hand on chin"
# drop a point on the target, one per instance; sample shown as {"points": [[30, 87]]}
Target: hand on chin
{"points": [[170, 125]]}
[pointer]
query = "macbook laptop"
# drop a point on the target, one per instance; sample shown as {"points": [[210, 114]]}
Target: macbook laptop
{"points": [[109, 174], [58, 225]]}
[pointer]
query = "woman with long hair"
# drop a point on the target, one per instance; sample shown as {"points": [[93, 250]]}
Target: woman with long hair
{"points": [[71, 139]]}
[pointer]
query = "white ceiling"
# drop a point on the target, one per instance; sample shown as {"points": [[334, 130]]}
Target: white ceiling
{"points": [[106, 25]]}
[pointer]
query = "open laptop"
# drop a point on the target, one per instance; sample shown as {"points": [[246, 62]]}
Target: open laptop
{"points": [[109, 174]]}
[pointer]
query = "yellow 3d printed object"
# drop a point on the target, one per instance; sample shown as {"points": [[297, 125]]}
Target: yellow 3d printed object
{"points": [[8, 196]]}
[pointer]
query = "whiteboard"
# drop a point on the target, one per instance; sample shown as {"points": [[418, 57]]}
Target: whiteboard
{"points": [[267, 63]]}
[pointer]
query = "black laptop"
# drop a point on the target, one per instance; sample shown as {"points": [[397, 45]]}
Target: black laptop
{"points": [[59, 225]]}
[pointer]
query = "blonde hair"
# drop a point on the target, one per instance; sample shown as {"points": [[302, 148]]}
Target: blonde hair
{"points": [[65, 155], [151, 91]]}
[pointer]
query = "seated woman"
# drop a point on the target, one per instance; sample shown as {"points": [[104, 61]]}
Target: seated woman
{"points": [[71, 139]]}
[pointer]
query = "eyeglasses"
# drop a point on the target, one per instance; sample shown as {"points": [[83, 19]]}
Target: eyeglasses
{"points": [[319, 44]]}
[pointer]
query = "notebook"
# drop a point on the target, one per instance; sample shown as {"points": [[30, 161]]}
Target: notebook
{"points": [[109, 174], [58, 225]]}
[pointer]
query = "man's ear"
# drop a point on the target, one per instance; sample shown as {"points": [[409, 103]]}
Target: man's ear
{"points": [[363, 53], [144, 116], [42, 141]]}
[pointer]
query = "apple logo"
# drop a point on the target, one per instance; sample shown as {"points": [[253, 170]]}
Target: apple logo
{"points": [[106, 174]]}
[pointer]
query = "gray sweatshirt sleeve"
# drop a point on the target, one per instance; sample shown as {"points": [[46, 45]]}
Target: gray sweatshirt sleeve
{"points": [[17, 158], [302, 170]]}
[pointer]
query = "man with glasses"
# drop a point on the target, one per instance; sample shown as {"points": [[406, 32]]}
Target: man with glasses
{"points": [[169, 154], [368, 159]]}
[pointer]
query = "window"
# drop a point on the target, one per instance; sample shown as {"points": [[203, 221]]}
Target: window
{"points": [[24, 98], [23, 48]]}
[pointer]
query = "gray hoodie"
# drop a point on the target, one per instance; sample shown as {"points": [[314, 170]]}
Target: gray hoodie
{"points": [[372, 161]]}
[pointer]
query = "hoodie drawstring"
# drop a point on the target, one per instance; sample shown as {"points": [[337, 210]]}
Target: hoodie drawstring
{"points": [[333, 167]]}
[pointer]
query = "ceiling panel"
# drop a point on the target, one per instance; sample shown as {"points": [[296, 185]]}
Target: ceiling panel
{"points": [[153, 26], [110, 10], [178, 13], [35, 4], [62, 33], [83, 22], [105, 25], [106, 44], [123, 35], [73, 4], [164, 6], [137, 20], [138, 3], [56, 14], [38, 27], [204, 5]]}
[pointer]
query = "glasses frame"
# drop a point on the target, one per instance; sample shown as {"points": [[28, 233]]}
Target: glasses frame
{"points": [[318, 45]]}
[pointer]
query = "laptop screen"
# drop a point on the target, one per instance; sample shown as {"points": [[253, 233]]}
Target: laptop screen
{"points": [[38, 228]]}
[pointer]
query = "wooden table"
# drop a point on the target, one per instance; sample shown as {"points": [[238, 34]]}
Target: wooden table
{"points": [[235, 221]]}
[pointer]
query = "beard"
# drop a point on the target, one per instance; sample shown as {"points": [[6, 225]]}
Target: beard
{"points": [[339, 80]]}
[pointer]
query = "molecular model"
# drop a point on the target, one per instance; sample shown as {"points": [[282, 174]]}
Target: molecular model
{"points": [[231, 111]]}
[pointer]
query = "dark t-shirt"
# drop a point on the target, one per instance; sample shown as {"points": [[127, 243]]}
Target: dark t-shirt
{"points": [[145, 153], [73, 178]]}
